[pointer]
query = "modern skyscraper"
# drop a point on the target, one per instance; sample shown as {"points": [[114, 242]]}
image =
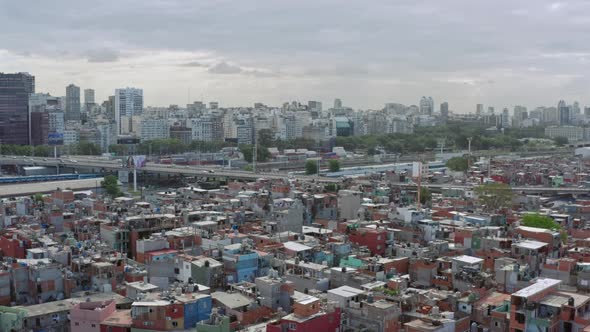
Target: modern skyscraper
{"points": [[520, 114], [444, 110], [479, 109], [426, 106], [505, 120], [14, 107], [88, 99], [128, 102], [563, 112], [72, 102], [337, 103]]}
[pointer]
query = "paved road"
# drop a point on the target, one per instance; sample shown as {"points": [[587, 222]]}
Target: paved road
{"points": [[529, 189], [111, 165]]}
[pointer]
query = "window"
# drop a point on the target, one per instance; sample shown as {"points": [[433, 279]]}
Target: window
{"points": [[175, 324], [292, 326], [93, 325], [77, 324], [379, 247], [378, 237]]}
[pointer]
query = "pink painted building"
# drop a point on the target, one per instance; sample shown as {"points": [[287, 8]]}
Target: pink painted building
{"points": [[87, 316]]}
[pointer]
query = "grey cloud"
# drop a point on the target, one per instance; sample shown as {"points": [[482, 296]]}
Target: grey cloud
{"points": [[338, 39], [103, 55], [224, 68], [193, 64]]}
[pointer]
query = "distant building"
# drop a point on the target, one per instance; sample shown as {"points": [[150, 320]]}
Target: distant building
{"points": [[128, 103], [14, 107], [572, 133], [152, 129], [72, 103], [563, 113], [88, 100], [426, 106], [444, 111], [207, 128], [183, 134]]}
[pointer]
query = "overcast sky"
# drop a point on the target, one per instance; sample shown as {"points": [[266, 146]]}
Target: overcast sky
{"points": [[499, 53]]}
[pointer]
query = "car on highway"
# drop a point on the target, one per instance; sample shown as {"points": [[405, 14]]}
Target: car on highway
{"points": [[73, 160]]}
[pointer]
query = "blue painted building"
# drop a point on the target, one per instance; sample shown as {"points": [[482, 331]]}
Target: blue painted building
{"points": [[197, 307], [240, 263]]}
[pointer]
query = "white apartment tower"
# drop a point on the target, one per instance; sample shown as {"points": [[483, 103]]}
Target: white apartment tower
{"points": [[128, 102]]}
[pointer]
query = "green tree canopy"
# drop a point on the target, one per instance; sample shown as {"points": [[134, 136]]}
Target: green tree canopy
{"points": [[334, 165], [111, 186], [425, 196], [540, 221], [560, 141], [311, 167], [494, 196], [458, 164], [248, 151]]}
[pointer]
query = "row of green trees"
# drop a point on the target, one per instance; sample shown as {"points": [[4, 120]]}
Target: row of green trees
{"points": [[454, 134], [311, 166]]}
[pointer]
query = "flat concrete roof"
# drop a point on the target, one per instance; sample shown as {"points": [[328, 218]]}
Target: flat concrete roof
{"points": [[25, 189]]}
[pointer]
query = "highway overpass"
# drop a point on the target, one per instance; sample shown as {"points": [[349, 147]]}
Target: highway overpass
{"points": [[96, 165]]}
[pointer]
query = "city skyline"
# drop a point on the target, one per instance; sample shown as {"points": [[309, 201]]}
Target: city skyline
{"points": [[239, 54]]}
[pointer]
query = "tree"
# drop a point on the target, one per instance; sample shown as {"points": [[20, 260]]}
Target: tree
{"points": [[248, 168], [111, 186], [494, 196], [458, 164], [539, 221], [262, 153], [545, 222], [265, 137], [87, 149], [38, 197], [560, 141], [311, 167], [425, 196], [334, 165]]}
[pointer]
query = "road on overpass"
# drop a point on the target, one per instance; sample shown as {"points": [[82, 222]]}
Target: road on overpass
{"points": [[115, 165]]}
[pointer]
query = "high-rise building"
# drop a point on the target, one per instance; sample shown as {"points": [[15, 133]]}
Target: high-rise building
{"points": [[479, 109], [314, 105], [505, 120], [563, 112], [42, 117], [128, 102], [426, 105], [444, 110], [14, 107], [152, 129], [109, 107], [88, 100], [207, 128], [337, 103], [520, 114], [72, 102]]}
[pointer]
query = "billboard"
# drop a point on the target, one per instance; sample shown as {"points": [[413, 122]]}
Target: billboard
{"points": [[55, 139], [136, 162], [127, 140]]}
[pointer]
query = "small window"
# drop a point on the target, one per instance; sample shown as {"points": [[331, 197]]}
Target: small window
{"points": [[175, 324], [292, 326], [77, 324], [378, 237], [93, 325]]}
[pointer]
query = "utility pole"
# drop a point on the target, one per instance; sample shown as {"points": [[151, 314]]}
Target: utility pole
{"points": [[255, 153], [469, 153]]}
